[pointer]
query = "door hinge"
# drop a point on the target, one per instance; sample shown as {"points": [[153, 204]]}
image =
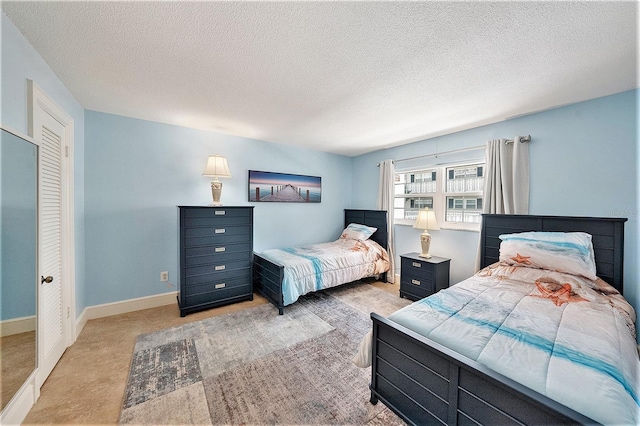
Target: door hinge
{"points": [[66, 151], [68, 312]]}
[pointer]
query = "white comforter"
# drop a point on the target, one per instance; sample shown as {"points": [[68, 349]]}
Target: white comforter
{"points": [[564, 336], [314, 267]]}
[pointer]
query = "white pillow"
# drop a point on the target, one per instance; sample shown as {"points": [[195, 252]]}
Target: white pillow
{"points": [[569, 252], [355, 231]]}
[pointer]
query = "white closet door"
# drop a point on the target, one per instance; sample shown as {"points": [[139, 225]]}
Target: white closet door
{"points": [[51, 310], [51, 128]]}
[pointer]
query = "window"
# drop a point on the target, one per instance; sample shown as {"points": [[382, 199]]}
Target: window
{"points": [[454, 192], [464, 193], [413, 191]]}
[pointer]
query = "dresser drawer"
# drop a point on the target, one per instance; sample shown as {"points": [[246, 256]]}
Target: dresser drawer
{"points": [[214, 258], [228, 219], [211, 286], [218, 295], [245, 246], [195, 237], [217, 269], [217, 212]]}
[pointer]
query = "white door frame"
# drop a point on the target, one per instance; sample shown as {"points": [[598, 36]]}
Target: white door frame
{"points": [[38, 99]]}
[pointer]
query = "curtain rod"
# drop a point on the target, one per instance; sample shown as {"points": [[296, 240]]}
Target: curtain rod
{"points": [[522, 139], [473, 148]]}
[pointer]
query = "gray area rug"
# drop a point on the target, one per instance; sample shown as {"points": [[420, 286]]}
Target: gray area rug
{"points": [[257, 367]]}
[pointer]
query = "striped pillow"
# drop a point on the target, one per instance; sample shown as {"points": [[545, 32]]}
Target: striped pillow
{"points": [[569, 252], [355, 231]]}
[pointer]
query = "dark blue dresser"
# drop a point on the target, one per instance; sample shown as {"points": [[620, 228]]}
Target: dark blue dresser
{"points": [[216, 256]]}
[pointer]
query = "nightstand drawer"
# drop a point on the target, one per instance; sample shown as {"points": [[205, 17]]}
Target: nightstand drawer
{"points": [[413, 266], [425, 274], [416, 286], [416, 281]]}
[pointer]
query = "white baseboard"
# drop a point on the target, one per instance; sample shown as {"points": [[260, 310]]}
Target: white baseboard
{"points": [[131, 305], [19, 406], [123, 307], [17, 325]]}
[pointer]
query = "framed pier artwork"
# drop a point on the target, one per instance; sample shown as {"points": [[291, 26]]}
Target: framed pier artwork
{"points": [[284, 187]]}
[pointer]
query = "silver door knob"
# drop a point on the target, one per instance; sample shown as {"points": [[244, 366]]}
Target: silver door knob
{"points": [[46, 280]]}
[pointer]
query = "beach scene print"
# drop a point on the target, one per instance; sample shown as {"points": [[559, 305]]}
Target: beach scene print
{"points": [[284, 187]]}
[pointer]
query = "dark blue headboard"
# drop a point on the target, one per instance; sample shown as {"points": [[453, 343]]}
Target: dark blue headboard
{"points": [[374, 218], [607, 238]]}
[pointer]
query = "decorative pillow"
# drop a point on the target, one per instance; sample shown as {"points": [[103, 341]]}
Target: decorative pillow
{"points": [[569, 252], [355, 231]]}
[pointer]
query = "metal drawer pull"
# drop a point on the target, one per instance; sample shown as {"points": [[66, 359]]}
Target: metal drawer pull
{"points": [[416, 282], [220, 268], [221, 285], [220, 231], [417, 265], [219, 249], [220, 212]]}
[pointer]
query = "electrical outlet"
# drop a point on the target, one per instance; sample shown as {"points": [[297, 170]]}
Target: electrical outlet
{"points": [[164, 276]]}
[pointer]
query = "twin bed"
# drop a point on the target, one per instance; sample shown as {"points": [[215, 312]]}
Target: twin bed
{"points": [[360, 252], [542, 337], [515, 344]]}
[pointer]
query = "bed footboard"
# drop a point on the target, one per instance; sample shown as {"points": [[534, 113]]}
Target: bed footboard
{"points": [[424, 382], [267, 279]]}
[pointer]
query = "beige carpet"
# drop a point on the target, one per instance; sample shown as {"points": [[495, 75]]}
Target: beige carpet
{"points": [[257, 367]]}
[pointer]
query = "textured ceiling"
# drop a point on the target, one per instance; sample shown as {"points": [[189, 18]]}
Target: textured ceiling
{"points": [[342, 77]]}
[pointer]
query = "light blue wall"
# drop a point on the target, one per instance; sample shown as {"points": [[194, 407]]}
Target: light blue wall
{"points": [[19, 63], [137, 172], [584, 162]]}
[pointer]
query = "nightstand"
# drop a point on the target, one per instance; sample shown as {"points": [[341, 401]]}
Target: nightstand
{"points": [[421, 277]]}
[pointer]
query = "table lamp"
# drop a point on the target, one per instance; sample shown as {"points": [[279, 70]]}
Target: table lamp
{"points": [[217, 167], [426, 220]]}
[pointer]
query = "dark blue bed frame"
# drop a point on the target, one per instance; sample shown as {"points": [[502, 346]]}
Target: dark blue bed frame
{"points": [[267, 275], [426, 383]]}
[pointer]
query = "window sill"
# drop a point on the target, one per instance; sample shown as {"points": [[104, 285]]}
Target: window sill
{"points": [[448, 227], [461, 228]]}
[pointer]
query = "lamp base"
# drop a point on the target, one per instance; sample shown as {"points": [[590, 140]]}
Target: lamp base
{"points": [[425, 242], [216, 192]]}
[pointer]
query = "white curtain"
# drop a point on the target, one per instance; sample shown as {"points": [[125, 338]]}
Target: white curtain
{"points": [[385, 202], [506, 179]]}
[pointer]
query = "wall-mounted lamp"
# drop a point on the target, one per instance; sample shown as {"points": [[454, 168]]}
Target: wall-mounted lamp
{"points": [[426, 220], [217, 167]]}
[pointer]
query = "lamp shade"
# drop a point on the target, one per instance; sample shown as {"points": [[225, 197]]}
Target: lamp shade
{"points": [[217, 167], [426, 220]]}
